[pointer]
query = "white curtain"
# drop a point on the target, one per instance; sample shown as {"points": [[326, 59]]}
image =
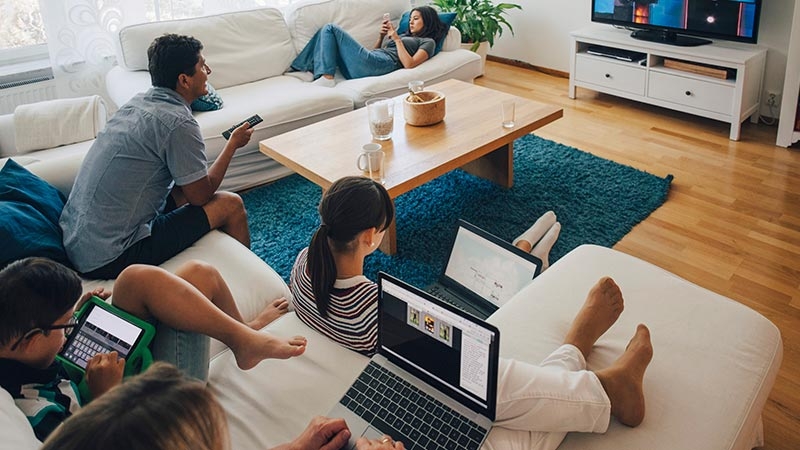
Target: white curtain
{"points": [[80, 40]]}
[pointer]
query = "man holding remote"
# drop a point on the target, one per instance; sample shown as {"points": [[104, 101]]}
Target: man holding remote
{"points": [[145, 191]]}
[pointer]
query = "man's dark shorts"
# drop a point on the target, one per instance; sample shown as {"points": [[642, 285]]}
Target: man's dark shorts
{"points": [[171, 232]]}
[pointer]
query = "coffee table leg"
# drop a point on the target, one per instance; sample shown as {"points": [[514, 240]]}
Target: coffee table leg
{"points": [[497, 166], [389, 244]]}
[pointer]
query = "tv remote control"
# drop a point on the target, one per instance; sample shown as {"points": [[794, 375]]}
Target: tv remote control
{"points": [[253, 120]]}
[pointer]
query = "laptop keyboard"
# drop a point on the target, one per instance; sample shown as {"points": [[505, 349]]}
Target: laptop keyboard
{"points": [[408, 414]]}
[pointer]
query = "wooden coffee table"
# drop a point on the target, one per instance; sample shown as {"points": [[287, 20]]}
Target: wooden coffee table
{"points": [[470, 137]]}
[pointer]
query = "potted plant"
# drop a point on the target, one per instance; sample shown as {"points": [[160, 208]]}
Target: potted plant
{"points": [[479, 22]]}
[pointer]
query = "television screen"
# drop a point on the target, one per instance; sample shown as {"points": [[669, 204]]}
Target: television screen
{"points": [[666, 20]]}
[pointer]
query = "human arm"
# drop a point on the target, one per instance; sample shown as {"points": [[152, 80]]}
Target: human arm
{"points": [[103, 372], [199, 192], [409, 61], [322, 433]]}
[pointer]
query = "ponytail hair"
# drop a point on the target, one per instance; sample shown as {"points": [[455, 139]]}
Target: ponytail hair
{"points": [[350, 206]]}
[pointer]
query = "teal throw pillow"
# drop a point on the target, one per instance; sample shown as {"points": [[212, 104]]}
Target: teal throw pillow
{"points": [[446, 17], [209, 102], [29, 212]]}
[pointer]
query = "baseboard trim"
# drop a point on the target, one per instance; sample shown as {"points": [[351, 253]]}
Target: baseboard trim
{"points": [[524, 65]]}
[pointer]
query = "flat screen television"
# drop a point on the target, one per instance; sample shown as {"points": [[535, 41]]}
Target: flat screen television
{"points": [[675, 21]]}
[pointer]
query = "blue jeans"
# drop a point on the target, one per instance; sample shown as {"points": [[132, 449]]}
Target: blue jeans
{"points": [[332, 47], [186, 350]]}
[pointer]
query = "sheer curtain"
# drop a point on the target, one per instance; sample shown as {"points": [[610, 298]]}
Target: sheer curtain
{"points": [[80, 33], [80, 40]]}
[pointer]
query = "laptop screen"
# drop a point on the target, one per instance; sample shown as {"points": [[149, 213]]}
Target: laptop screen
{"points": [[488, 266], [444, 346], [100, 331]]}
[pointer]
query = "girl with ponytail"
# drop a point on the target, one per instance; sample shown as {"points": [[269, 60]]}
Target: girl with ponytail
{"points": [[331, 293]]}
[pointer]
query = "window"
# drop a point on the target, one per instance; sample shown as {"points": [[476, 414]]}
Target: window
{"points": [[22, 35]]}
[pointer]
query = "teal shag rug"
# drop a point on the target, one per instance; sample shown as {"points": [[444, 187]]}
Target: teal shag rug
{"points": [[596, 200]]}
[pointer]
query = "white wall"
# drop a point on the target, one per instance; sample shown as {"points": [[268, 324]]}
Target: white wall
{"points": [[541, 34]]}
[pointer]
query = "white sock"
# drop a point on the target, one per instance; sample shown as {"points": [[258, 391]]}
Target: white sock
{"points": [[543, 247], [326, 82], [307, 77], [538, 229]]}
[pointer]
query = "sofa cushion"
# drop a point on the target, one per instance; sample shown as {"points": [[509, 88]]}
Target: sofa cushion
{"points": [[360, 18], [52, 123], [446, 17], [240, 47], [285, 103], [209, 102], [29, 212], [14, 426]]}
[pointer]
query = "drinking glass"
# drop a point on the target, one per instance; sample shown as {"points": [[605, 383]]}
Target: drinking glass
{"points": [[380, 111]]}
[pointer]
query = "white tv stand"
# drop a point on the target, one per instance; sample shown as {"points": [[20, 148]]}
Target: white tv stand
{"points": [[730, 100]]}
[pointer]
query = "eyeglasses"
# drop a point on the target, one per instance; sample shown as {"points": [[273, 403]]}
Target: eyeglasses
{"points": [[67, 327]]}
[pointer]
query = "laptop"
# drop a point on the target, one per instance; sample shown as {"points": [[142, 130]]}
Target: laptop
{"points": [[103, 328], [433, 382], [483, 271]]}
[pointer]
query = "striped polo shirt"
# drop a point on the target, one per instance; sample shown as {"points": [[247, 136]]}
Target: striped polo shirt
{"points": [[352, 319]]}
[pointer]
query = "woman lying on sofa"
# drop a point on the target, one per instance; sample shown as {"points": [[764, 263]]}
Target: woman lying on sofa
{"points": [[332, 47], [536, 405]]}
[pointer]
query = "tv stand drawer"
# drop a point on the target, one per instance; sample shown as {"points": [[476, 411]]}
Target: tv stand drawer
{"points": [[625, 77], [704, 95]]}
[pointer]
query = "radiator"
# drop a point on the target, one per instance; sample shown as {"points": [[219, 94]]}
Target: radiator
{"points": [[12, 95]]}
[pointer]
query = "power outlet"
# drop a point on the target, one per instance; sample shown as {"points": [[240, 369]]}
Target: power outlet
{"points": [[773, 99]]}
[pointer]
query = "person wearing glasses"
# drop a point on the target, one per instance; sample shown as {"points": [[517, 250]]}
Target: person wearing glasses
{"points": [[37, 302], [145, 190]]}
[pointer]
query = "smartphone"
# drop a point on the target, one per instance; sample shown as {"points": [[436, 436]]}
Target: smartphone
{"points": [[386, 17]]}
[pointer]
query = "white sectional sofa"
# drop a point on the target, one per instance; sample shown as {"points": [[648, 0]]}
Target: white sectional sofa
{"points": [[715, 360], [248, 53]]}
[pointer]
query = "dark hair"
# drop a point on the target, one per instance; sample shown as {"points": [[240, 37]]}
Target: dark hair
{"points": [[434, 27], [350, 206], [171, 55], [34, 293], [160, 409]]}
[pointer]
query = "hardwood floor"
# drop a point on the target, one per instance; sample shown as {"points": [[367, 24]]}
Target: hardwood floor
{"points": [[732, 220]]}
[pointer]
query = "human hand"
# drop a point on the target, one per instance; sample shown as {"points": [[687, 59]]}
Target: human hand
{"points": [[385, 442], [98, 292], [241, 135], [103, 372], [322, 433], [390, 31]]}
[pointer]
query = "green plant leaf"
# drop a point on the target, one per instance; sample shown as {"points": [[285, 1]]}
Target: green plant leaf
{"points": [[478, 20]]}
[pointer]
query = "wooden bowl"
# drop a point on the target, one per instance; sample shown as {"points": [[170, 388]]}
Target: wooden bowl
{"points": [[427, 112]]}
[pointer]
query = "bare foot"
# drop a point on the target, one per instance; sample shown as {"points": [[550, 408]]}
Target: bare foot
{"points": [[261, 346], [602, 308], [274, 310], [623, 380]]}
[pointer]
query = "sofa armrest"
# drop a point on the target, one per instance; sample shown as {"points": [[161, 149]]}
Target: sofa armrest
{"points": [[8, 145], [452, 41]]}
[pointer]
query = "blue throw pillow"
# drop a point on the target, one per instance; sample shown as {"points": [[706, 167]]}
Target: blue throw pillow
{"points": [[29, 212], [209, 102], [446, 17]]}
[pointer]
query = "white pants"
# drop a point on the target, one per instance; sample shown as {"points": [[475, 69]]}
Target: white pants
{"points": [[538, 405]]}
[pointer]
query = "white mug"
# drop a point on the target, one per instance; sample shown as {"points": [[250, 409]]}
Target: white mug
{"points": [[371, 161]]}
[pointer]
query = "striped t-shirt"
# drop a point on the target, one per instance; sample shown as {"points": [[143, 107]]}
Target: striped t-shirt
{"points": [[352, 319]]}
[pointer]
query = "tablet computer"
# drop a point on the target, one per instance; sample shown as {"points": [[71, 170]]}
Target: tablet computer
{"points": [[103, 328]]}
